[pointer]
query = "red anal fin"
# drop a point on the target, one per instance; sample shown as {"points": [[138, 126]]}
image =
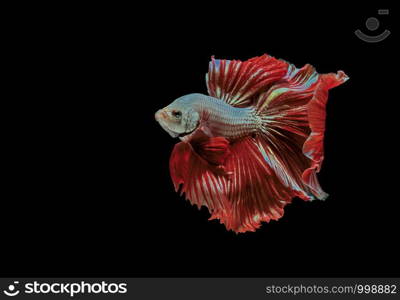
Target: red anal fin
{"points": [[254, 190], [198, 181], [250, 195]]}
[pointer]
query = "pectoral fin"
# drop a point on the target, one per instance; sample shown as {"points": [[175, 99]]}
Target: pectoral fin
{"points": [[214, 150]]}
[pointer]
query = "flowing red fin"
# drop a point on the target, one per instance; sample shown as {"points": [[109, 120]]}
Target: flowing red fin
{"points": [[313, 147], [285, 158], [236, 82], [197, 180], [293, 114], [255, 192], [250, 195]]}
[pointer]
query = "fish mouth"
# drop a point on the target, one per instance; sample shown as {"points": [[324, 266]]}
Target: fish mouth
{"points": [[170, 132]]}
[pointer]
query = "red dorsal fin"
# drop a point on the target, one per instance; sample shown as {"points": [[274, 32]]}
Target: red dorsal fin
{"points": [[236, 82]]}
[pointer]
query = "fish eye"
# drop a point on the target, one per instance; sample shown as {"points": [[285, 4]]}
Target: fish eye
{"points": [[177, 114]]}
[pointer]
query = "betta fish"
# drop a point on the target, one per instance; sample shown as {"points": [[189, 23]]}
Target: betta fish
{"points": [[254, 142]]}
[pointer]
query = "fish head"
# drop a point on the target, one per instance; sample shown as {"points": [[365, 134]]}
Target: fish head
{"points": [[179, 118]]}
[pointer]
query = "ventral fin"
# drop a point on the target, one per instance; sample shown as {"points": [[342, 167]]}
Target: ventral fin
{"points": [[213, 149]]}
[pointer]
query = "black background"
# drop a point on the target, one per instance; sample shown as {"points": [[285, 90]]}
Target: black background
{"points": [[89, 192]]}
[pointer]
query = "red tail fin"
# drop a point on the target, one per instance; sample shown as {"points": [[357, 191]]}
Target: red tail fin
{"points": [[293, 113], [313, 147]]}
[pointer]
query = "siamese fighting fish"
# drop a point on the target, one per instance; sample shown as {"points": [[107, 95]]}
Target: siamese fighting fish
{"points": [[254, 142]]}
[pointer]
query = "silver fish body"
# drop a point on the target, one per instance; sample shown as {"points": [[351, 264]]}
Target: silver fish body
{"points": [[216, 117]]}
